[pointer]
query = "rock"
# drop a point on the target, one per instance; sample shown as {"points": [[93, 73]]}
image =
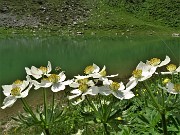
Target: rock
{"points": [[4, 9], [175, 35], [79, 33]]}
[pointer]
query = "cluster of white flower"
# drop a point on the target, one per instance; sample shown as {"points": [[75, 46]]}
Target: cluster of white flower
{"points": [[93, 83]]}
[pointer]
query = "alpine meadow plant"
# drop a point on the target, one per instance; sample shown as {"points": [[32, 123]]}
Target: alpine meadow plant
{"points": [[160, 96], [102, 104], [101, 97]]}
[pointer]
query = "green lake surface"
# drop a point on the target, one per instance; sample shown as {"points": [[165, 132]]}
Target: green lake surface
{"points": [[120, 55]]}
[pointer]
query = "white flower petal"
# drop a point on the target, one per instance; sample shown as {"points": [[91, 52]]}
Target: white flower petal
{"points": [[62, 77], [122, 87], [82, 77], [25, 92], [76, 91], [95, 75], [91, 91], [49, 68], [166, 73], [37, 73], [74, 96], [7, 89], [79, 100], [112, 75], [28, 71], [68, 82], [8, 101], [74, 85], [131, 84], [104, 90], [128, 94], [165, 62], [170, 88], [24, 85], [178, 69], [45, 84], [107, 82], [90, 83], [96, 68], [118, 94], [57, 87]]}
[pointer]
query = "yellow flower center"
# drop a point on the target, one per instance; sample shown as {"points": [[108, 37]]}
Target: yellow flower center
{"points": [[43, 69], [18, 82], [154, 61], [171, 67], [89, 69], [165, 81], [119, 118], [53, 78], [137, 73], [15, 91], [103, 73], [114, 86], [83, 87], [177, 87], [83, 81]]}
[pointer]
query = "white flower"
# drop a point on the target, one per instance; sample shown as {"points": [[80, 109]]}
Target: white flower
{"points": [[172, 69], [82, 87], [91, 69], [155, 63], [171, 88], [19, 89], [39, 72], [101, 75], [115, 88], [94, 71], [56, 82], [141, 73], [79, 132]]}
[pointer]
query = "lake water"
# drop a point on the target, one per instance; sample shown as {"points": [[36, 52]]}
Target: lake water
{"points": [[120, 55]]}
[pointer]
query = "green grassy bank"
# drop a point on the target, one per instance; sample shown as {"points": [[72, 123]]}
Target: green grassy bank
{"points": [[89, 17]]}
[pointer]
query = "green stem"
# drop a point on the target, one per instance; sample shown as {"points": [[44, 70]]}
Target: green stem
{"points": [[45, 104], [164, 124], [92, 106], [46, 128], [47, 131], [105, 128], [29, 109], [52, 109], [163, 115], [152, 97]]}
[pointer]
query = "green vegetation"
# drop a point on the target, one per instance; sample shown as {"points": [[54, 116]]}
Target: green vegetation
{"points": [[104, 17], [97, 103]]}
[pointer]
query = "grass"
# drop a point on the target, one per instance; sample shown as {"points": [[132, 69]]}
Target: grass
{"points": [[96, 18]]}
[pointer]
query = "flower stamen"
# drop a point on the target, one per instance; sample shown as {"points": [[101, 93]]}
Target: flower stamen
{"points": [[15, 91], [165, 81], [53, 78], [114, 86], [154, 61], [103, 73], [171, 67], [18, 82], [83, 81], [177, 87], [89, 69], [43, 69], [83, 87], [137, 73]]}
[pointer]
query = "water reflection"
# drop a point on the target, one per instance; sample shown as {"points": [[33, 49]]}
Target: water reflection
{"points": [[120, 55]]}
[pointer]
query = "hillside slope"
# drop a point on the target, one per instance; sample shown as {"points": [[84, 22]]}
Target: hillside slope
{"points": [[91, 16]]}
